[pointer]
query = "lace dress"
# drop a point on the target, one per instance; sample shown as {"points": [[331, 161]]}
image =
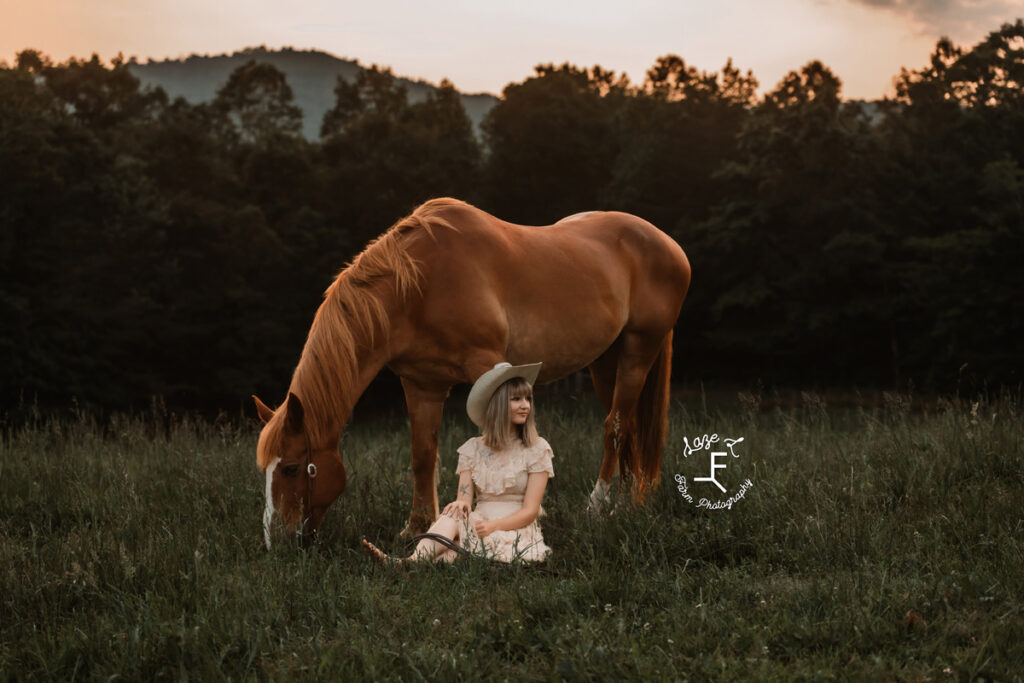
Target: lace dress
{"points": [[500, 482]]}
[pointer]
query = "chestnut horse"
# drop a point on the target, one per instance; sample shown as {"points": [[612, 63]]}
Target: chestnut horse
{"points": [[448, 292]]}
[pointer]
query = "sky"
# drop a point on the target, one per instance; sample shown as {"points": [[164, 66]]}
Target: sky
{"points": [[481, 46]]}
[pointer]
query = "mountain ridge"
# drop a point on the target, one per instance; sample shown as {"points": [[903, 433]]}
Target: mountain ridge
{"points": [[311, 74]]}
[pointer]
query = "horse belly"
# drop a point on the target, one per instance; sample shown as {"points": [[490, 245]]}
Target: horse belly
{"points": [[567, 325]]}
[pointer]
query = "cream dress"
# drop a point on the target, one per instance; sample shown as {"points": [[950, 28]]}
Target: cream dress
{"points": [[499, 478]]}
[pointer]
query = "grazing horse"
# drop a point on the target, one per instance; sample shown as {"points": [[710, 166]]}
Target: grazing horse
{"points": [[445, 294]]}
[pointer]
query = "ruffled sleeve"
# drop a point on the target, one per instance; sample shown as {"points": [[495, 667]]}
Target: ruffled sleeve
{"points": [[539, 458], [467, 456]]}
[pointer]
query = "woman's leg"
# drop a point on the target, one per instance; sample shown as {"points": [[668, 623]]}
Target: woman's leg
{"points": [[426, 549], [429, 549]]}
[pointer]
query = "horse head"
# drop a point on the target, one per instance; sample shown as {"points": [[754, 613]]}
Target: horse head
{"points": [[304, 475]]}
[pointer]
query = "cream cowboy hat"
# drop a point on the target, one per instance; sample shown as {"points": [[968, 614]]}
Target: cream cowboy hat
{"points": [[488, 383]]}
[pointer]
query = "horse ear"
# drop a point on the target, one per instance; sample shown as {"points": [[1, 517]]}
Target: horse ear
{"points": [[293, 418], [262, 410]]}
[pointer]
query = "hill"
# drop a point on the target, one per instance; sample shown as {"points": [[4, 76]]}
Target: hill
{"points": [[311, 75]]}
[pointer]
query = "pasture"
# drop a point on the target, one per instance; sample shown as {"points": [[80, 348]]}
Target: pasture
{"points": [[874, 543]]}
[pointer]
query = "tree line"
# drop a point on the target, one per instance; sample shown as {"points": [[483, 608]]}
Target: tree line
{"points": [[151, 247]]}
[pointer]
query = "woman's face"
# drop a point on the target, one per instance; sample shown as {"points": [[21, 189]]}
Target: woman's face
{"points": [[519, 408]]}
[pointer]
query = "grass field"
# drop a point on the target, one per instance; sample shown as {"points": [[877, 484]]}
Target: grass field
{"points": [[883, 543]]}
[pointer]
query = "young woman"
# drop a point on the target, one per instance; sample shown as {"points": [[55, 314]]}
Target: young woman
{"points": [[508, 467]]}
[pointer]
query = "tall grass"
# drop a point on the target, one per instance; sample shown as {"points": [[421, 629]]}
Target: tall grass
{"points": [[874, 543]]}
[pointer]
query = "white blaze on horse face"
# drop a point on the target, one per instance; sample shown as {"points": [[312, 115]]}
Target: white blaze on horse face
{"points": [[268, 511]]}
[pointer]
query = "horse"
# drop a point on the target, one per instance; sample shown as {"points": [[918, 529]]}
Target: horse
{"points": [[443, 295]]}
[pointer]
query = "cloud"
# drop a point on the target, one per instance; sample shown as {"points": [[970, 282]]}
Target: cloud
{"points": [[964, 21]]}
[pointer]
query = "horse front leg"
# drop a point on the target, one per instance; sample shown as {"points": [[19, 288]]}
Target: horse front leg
{"points": [[425, 409]]}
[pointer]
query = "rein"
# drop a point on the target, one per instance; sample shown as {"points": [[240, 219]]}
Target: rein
{"points": [[443, 540], [462, 552], [311, 472]]}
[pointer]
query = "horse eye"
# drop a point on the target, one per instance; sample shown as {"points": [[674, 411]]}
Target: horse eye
{"points": [[289, 470]]}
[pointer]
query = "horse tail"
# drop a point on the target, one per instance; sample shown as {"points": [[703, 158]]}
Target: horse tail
{"points": [[652, 420]]}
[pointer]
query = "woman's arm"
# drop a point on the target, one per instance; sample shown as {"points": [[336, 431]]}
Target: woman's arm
{"points": [[463, 503], [535, 485]]}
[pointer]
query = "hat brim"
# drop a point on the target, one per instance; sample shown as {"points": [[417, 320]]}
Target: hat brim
{"points": [[488, 383]]}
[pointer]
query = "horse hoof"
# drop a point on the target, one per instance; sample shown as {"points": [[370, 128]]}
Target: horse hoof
{"points": [[600, 499]]}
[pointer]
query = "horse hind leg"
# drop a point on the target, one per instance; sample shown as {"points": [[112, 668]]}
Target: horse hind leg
{"points": [[652, 418], [602, 373], [635, 425]]}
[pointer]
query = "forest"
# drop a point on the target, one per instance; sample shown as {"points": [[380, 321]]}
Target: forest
{"points": [[157, 248]]}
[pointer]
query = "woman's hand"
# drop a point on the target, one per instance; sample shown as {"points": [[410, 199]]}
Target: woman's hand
{"points": [[484, 527], [457, 509]]}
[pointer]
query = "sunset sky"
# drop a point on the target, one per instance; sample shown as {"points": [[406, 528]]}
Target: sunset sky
{"points": [[482, 46]]}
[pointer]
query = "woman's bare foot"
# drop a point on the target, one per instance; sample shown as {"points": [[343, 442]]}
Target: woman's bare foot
{"points": [[379, 554]]}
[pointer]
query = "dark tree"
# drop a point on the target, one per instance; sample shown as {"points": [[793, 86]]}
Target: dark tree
{"points": [[384, 155], [793, 259], [150, 247], [82, 233], [553, 142], [953, 177], [104, 100], [675, 134], [259, 102]]}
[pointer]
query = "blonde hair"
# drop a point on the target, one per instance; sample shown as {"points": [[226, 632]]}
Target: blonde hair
{"points": [[498, 428]]}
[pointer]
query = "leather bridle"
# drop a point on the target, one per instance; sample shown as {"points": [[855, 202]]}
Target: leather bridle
{"points": [[311, 472]]}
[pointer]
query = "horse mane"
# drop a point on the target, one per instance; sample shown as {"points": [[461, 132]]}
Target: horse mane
{"points": [[352, 313]]}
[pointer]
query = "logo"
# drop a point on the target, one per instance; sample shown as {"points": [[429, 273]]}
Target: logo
{"points": [[711, 454]]}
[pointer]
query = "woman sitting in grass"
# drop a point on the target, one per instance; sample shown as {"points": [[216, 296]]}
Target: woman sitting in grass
{"points": [[508, 466]]}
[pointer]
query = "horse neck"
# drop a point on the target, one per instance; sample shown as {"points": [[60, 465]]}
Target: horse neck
{"points": [[338, 363]]}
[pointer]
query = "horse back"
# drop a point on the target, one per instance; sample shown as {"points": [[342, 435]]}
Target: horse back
{"points": [[596, 246], [561, 292]]}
